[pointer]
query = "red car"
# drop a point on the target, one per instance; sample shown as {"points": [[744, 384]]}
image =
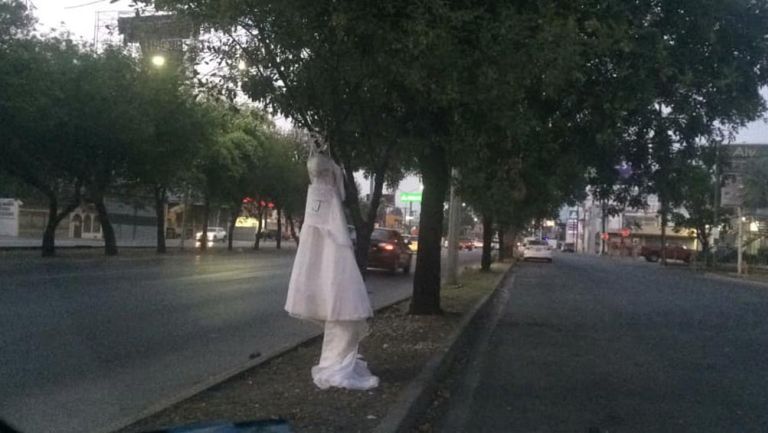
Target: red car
{"points": [[672, 252], [389, 251], [466, 244]]}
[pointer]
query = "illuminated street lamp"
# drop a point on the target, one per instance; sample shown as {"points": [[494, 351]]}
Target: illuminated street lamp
{"points": [[158, 60]]}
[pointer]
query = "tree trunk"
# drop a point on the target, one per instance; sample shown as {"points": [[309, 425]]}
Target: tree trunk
{"points": [[110, 242], [509, 245], [257, 242], [486, 260], [705, 250], [160, 199], [364, 224], [502, 253], [55, 217], [204, 233], [279, 240], [233, 221], [663, 249], [291, 225], [426, 279], [49, 235]]}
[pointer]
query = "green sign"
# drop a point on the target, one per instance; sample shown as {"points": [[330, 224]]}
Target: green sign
{"points": [[410, 196]]}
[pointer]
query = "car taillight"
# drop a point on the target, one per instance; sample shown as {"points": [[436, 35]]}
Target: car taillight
{"points": [[386, 246]]}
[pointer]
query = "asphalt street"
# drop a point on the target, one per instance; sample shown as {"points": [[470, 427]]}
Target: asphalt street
{"points": [[88, 341], [602, 345]]}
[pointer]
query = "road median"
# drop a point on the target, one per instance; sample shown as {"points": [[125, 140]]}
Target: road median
{"points": [[404, 350]]}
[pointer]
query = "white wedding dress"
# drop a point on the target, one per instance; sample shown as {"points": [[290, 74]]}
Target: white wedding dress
{"points": [[326, 284]]}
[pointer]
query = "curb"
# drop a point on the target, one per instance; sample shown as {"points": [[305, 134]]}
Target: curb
{"points": [[416, 397], [220, 378], [735, 279]]}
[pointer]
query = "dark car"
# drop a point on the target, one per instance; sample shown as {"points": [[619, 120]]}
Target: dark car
{"points": [[389, 251], [652, 253]]}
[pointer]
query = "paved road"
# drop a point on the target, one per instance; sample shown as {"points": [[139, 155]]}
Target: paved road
{"points": [[86, 341], [13, 242], [612, 346]]}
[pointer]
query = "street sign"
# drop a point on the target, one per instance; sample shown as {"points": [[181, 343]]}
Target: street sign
{"points": [[732, 192], [9, 216], [625, 232], [739, 158], [410, 196]]}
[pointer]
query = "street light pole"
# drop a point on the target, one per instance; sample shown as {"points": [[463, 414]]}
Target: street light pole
{"points": [[603, 217], [716, 208], [410, 214], [454, 204]]}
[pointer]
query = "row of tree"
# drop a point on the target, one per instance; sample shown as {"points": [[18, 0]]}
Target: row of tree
{"points": [[529, 104], [532, 102], [79, 125]]}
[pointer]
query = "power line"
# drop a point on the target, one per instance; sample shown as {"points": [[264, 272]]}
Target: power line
{"points": [[85, 4]]}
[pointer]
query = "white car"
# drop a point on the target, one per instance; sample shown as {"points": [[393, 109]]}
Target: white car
{"points": [[537, 250], [214, 234]]}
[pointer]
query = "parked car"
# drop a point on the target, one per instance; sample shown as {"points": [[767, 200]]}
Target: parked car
{"points": [[466, 244], [477, 243], [389, 251], [537, 250], [214, 234], [652, 253]]}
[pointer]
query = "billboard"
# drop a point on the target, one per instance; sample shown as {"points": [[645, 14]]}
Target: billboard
{"points": [[9, 217], [165, 35], [141, 29], [738, 157], [573, 227]]}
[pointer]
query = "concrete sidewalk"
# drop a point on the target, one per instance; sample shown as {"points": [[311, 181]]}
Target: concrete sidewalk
{"points": [[587, 345]]}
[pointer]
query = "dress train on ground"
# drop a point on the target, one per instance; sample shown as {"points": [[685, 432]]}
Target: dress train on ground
{"points": [[340, 365]]}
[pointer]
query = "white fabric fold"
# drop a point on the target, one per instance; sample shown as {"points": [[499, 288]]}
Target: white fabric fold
{"points": [[340, 365]]}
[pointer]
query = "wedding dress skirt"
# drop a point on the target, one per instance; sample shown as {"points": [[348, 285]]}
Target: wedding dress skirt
{"points": [[326, 284], [340, 365]]}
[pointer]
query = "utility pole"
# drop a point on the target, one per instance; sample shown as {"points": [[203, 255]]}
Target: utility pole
{"points": [[410, 216], [740, 243], [576, 232], [184, 219], [454, 213], [603, 241], [716, 208]]}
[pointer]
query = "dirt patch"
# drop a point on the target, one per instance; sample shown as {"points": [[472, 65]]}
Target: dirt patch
{"points": [[396, 351]]}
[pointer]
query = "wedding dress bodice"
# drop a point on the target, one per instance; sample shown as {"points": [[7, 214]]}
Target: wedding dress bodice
{"points": [[324, 172]]}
